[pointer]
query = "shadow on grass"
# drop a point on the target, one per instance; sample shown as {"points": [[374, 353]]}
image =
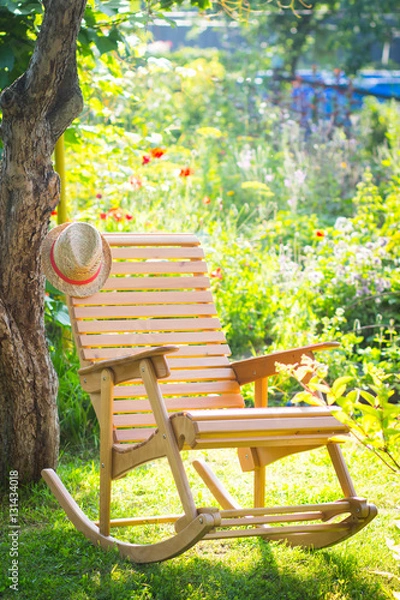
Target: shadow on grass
{"points": [[58, 563]]}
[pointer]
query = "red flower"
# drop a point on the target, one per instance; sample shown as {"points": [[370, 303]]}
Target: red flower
{"points": [[146, 158], [135, 182], [217, 274], [103, 216], [116, 214], [99, 196], [128, 217], [53, 213], [206, 200], [157, 152], [319, 233], [186, 172]]}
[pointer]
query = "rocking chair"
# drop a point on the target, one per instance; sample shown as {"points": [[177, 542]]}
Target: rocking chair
{"points": [[155, 363]]}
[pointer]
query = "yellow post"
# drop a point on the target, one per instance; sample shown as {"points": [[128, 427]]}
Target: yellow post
{"points": [[59, 153]]}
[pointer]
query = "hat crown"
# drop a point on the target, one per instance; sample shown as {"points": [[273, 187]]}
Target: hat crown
{"points": [[78, 251]]}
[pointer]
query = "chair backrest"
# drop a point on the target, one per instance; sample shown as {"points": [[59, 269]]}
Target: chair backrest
{"points": [[158, 293]]}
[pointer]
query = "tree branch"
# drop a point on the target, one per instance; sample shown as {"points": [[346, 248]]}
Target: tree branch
{"points": [[68, 103], [55, 47]]}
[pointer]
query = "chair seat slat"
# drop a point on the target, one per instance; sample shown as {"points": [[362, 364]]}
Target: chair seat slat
{"points": [[259, 427], [239, 427]]}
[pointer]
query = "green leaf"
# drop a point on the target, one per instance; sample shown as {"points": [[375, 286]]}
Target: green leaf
{"points": [[308, 399], [340, 384], [368, 397], [61, 316], [353, 396], [105, 43], [392, 433], [319, 387], [369, 410]]}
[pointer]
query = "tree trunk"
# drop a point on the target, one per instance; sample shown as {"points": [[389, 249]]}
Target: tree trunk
{"points": [[37, 108]]}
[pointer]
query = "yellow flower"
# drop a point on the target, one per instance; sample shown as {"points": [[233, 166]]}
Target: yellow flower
{"points": [[230, 193], [343, 165]]}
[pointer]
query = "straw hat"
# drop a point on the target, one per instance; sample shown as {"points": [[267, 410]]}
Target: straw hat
{"points": [[76, 259]]}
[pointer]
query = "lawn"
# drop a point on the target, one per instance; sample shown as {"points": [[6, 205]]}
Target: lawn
{"points": [[57, 562]]}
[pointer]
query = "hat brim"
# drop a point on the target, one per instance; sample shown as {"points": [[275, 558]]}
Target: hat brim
{"points": [[80, 291]]}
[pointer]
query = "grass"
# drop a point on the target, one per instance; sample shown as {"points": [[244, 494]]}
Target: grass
{"points": [[57, 563]]}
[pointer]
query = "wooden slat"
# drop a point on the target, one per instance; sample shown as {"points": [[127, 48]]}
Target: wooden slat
{"points": [[338, 508], [228, 401], [190, 375], [266, 413], [202, 374], [133, 436], [147, 325], [153, 339], [315, 440], [156, 283], [278, 532], [132, 252], [134, 420], [151, 239], [259, 427], [209, 350], [140, 298], [180, 389], [164, 310], [307, 440], [160, 267], [195, 363]]}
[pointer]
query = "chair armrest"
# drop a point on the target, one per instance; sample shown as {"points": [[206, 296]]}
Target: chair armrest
{"points": [[125, 368], [251, 369]]}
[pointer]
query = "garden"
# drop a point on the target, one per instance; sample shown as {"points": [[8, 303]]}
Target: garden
{"points": [[301, 232]]}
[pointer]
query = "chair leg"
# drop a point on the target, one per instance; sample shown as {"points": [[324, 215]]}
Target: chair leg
{"points": [[106, 441], [225, 499], [342, 472], [259, 486], [260, 401], [171, 447]]}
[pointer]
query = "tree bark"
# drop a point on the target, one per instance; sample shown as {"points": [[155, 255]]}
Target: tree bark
{"points": [[37, 108]]}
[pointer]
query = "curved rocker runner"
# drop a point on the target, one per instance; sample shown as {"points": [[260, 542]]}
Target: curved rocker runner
{"points": [[155, 304]]}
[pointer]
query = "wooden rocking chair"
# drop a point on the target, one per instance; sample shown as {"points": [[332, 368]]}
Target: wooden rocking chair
{"points": [[154, 361]]}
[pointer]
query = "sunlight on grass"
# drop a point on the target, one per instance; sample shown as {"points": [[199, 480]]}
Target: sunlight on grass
{"points": [[58, 563]]}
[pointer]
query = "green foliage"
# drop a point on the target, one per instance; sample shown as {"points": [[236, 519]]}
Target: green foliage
{"points": [[337, 33], [370, 413], [301, 238], [19, 25], [78, 424]]}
